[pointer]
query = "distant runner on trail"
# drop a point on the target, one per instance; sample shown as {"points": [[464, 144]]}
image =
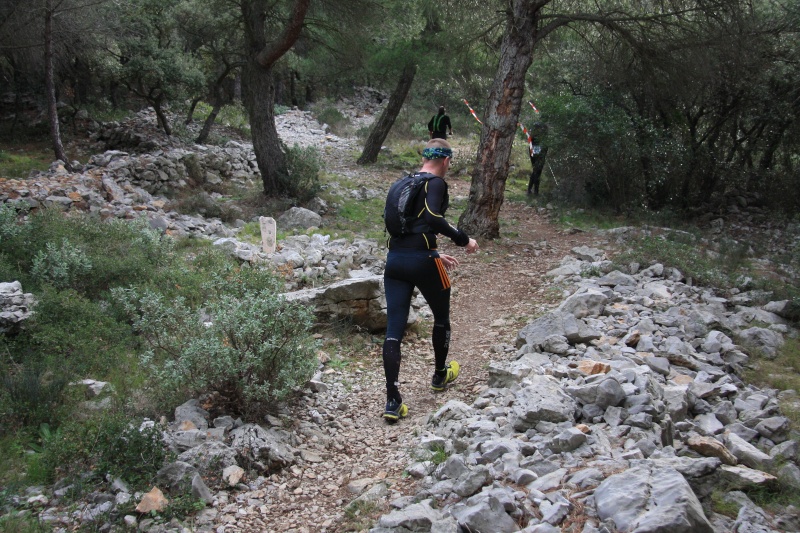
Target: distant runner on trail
{"points": [[413, 261], [439, 125], [538, 154]]}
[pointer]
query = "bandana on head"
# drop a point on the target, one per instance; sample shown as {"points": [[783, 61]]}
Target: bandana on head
{"points": [[437, 153]]}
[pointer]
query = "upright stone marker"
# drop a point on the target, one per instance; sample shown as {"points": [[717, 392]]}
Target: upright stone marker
{"points": [[268, 234]]}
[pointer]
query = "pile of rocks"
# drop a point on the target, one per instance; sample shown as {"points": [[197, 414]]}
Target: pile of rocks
{"points": [[206, 449], [622, 409], [15, 306]]}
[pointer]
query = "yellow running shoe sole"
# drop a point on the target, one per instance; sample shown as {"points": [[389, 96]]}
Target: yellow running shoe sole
{"points": [[453, 368], [394, 416]]}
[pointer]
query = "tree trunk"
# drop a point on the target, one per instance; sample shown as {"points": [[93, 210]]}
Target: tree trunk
{"points": [[220, 98], [481, 216], [259, 85], [192, 107], [385, 122], [259, 100], [212, 117], [162, 117], [50, 86]]}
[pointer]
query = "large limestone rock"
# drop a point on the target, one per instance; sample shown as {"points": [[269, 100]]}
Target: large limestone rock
{"points": [[648, 499], [541, 400], [359, 300], [15, 306], [556, 323], [299, 217], [584, 303], [267, 449], [764, 340]]}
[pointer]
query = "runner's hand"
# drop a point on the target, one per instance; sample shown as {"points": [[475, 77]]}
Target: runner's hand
{"points": [[472, 246], [448, 261]]}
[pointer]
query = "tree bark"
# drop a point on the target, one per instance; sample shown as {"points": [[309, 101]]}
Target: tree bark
{"points": [[372, 147], [192, 107], [212, 117], [219, 100], [163, 121], [481, 216], [50, 86], [259, 86], [259, 99]]}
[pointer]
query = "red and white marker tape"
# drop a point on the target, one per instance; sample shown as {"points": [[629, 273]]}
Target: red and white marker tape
{"points": [[528, 135], [533, 106], [472, 111]]}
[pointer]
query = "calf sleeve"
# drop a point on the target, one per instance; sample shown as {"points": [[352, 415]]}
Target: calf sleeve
{"points": [[391, 368], [441, 344]]}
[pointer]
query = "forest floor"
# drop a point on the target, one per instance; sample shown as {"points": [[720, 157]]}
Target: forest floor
{"points": [[495, 293]]}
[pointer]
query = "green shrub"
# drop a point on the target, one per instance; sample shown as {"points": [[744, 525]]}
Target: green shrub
{"points": [[60, 266], [29, 396], [130, 450], [334, 118], [304, 165], [109, 443], [120, 252], [9, 227], [74, 334], [255, 351]]}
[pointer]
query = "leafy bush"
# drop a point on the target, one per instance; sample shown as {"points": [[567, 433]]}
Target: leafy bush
{"points": [[9, 227], [304, 165], [31, 397], [60, 266], [334, 118], [255, 349], [110, 443], [74, 334], [119, 252], [130, 450]]}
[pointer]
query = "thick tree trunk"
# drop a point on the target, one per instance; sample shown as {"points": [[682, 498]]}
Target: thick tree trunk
{"points": [[259, 100], [502, 113], [385, 122], [259, 86], [50, 86]]}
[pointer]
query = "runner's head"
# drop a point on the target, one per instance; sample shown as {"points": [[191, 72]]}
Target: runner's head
{"points": [[436, 157], [441, 110], [437, 149]]}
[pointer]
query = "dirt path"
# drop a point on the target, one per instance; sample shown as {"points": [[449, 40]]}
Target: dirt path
{"points": [[345, 443]]}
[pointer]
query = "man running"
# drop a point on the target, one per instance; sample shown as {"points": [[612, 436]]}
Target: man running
{"points": [[413, 261], [439, 125]]}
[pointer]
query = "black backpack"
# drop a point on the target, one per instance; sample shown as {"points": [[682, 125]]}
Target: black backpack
{"points": [[398, 214]]}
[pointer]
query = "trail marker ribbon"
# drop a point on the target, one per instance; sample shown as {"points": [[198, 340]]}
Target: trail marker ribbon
{"points": [[472, 111]]}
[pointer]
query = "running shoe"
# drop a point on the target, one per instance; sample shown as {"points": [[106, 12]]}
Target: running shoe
{"points": [[440, 381], [395, 410]]}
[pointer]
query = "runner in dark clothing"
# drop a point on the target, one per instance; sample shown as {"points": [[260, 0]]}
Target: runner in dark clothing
{"points": [[439, 125], [538, 153], [413, 261]]}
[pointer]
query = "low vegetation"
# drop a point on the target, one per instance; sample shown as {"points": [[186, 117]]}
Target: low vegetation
{"points": [[160, 320]]}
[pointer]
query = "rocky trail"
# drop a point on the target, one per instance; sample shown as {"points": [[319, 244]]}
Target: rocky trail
{"points": [[590, 400], [494, 293]]}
